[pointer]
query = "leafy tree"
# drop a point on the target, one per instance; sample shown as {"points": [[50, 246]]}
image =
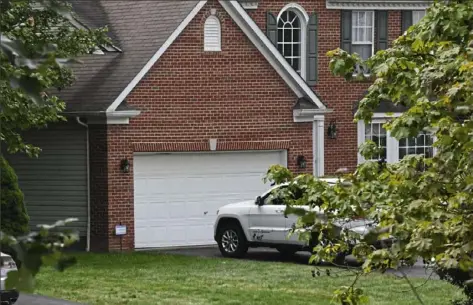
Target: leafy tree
{"points": [[13, 216], [426, 204], [37, 44]]}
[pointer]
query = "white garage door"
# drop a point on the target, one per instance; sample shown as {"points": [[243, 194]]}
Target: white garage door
{"points": [[177, 195]]}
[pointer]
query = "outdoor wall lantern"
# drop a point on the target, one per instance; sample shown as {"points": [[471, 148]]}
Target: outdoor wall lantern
{"points": [[125, 165], [332, 130], [301, 162]]}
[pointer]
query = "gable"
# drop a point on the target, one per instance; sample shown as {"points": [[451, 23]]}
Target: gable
{"points": [[254, 34]]}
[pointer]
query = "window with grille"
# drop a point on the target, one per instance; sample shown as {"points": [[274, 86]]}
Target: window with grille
{"points": [[290, 38], [391, 149], [422, 145]]}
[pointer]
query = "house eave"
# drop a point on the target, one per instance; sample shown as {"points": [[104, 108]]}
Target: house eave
{"points": [[103, 117], [378, 4], [308, 115], [249, 4], [121, 117]]}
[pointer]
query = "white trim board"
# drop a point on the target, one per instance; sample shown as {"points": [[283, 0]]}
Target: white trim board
{"points": [[256, 36]]}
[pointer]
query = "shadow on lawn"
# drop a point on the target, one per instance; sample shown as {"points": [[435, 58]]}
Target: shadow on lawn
{"points": [[254, 254]]}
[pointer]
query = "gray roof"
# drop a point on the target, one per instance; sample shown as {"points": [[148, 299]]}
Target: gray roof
{"points": [[138, 28]]}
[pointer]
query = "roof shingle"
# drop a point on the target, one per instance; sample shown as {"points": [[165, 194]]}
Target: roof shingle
{"points": [[139, 28]]}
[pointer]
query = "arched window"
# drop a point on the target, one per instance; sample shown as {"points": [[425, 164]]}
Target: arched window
{"points": [[292, 31], [212, 34]]}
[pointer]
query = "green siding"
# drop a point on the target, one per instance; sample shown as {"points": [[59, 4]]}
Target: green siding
{"points": [[55, 183]]}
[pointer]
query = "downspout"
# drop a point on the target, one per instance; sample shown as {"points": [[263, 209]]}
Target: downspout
{"points": [[88, 182]]}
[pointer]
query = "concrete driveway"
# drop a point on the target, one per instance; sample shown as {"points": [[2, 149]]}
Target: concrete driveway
{"points": [[272, 255], [26, 299]]}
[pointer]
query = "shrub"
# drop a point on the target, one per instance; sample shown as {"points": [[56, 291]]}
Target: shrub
{"points": [[14, 218]]}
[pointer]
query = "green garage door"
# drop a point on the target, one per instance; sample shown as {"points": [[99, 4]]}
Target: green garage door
{"points": [[55, 183]]}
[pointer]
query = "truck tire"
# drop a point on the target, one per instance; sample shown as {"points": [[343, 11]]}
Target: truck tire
{"points": [[232, 241]]}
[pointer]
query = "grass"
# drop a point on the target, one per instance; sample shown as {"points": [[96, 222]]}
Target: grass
{"points": [[146, 278]]}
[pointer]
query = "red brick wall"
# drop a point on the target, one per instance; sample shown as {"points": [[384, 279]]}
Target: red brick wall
{"points": [[190, 96], [98, 187], [234, 95], [335, 92]]}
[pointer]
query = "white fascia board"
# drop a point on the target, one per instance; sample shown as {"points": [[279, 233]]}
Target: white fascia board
{"points": [[269, 51], [156, 56]]}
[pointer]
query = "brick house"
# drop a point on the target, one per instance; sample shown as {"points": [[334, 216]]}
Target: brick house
{"points": [[194, 101]]}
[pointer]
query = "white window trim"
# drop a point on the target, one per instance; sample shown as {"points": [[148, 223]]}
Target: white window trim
{"points": [[304, 19], [218, 47], [392, 145]]}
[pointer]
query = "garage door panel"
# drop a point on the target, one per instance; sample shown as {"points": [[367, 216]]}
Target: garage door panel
{"points": [[177, 195]]}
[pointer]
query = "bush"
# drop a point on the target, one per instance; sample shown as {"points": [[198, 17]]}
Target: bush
{"points": [[458, 278], [14, 218]]}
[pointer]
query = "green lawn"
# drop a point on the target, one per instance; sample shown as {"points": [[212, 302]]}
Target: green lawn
{"points": [[150, 279]]}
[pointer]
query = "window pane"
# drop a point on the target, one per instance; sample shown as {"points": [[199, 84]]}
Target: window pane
{"points": [[382, 141], [291, 16], [420, 150], [402, 153], [296, 49], [362, 34], [411, 150], [402, 142], [363, 50], [361, 19], [280, 36], [420, 140], [429, 140], [429, 152], [296, 64], [287, 34], [296, 35], [295, 22], [287, 50], [369, 34], [412, 142], [369, 19], [417, 16]]}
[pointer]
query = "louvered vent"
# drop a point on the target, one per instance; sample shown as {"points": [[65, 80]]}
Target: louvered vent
{"points": [[212, 34]]}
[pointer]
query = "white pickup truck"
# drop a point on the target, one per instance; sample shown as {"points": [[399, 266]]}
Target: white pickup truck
{"points": [[261, 223]]}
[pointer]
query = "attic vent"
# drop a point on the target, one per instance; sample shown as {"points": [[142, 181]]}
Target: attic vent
{"points": [[212, 34]]}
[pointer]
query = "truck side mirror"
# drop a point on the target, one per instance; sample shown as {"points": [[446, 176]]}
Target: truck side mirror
{"points": [[259, 201]]}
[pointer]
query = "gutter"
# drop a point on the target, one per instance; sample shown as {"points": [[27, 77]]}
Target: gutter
{"points": [[88, 181]]}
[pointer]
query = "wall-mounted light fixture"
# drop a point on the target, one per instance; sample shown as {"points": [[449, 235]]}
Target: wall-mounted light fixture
{"points": [[301, 161], [332, 130], [125, 165]]}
